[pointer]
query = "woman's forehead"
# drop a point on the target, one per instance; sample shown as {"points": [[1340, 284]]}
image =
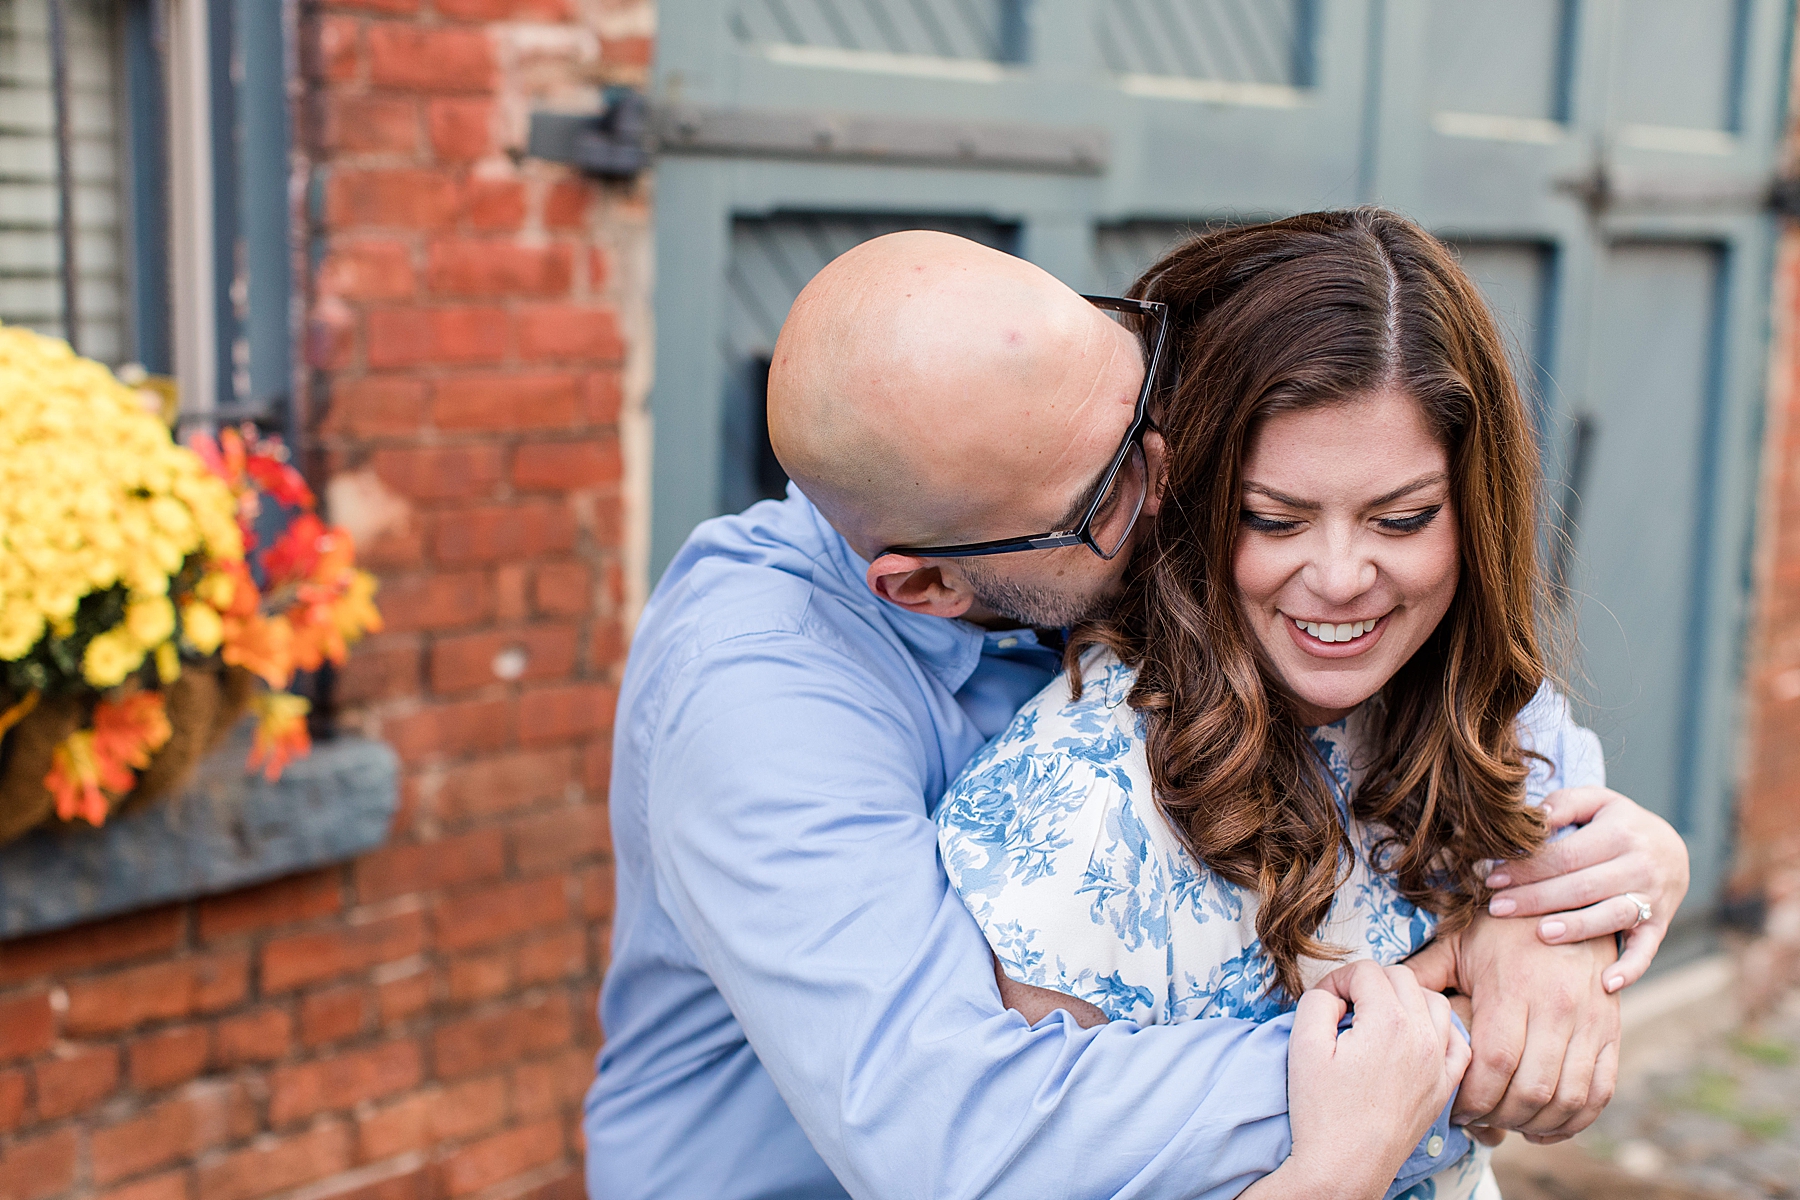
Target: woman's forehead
{"points": [[1368, 444]]}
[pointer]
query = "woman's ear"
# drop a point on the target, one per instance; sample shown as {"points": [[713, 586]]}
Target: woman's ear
{"points": [[919, 585]]}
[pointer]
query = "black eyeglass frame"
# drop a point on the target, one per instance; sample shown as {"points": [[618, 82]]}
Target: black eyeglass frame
{"points": [[1082, 534]]}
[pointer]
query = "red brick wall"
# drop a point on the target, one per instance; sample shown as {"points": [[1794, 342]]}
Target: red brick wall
{"points": [[418, 1023]]}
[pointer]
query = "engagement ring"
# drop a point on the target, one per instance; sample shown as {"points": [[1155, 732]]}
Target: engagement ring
{"points": [[1643, 907]]}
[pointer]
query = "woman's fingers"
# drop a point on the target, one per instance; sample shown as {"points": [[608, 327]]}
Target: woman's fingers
{"points": [[1619, 914], [1577, 806], [1587, 846], [1641, 945]]}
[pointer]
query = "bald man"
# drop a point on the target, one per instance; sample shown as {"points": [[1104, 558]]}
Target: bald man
{"points": [[798, 1004]]}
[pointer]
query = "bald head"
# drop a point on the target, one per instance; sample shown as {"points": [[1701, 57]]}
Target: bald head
{"points": [[927, 389]]}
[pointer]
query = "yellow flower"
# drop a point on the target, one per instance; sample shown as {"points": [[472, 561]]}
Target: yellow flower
{"points": [[168, 663], [201, 626], [111, 657], [217, 589], [20, 627], [151, 619]]}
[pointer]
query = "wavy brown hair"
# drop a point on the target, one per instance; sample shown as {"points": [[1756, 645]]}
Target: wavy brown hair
{"points": [[1315, 310]]}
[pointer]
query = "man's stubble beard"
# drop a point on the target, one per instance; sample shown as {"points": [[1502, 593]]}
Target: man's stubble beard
{"points": [[1037, 607]]}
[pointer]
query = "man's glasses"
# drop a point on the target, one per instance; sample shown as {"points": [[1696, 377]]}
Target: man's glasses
{"points": [[1119, 494]]}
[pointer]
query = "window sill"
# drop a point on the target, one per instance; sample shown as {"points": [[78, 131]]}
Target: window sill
{"points": [[225, 830]]}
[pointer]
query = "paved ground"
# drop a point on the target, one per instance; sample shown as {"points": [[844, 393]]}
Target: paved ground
{"points": [[1720, 1119]]}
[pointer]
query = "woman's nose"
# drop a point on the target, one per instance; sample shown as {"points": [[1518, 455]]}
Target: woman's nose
{"points": [[1340, 573]]}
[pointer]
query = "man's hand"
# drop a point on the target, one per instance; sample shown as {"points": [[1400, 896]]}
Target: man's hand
{"points": [[1578, 884], [1545, 1034]]}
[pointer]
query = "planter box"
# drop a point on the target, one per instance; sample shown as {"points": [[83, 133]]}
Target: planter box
{"points": [[226, 829]]}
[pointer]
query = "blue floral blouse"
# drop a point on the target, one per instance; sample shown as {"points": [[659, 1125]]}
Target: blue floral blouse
{"points": [[1053, 839]]}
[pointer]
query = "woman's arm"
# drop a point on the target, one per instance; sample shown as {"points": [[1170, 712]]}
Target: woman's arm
{"points": [[1036, 1003], [1360, 1100]]}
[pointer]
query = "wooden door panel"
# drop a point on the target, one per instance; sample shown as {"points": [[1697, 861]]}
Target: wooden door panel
{"points": [[1498, 60], [1678, 64], [1240, 41], [977, 29]]}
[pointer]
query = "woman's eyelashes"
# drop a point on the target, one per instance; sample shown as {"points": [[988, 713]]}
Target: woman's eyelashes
{"points": [[1410, 523]]}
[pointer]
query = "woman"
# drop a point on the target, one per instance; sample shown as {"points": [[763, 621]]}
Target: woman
{"points": [[1327, 670]]}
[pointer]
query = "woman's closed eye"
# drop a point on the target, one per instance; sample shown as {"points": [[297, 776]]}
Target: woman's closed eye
{"points": [[1411, 522], [1261, 524]]}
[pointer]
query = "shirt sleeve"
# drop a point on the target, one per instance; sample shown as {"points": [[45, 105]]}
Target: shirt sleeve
{"points": [[791, 845], [1571, 755]]}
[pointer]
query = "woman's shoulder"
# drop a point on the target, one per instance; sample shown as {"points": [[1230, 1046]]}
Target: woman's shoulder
{"points": [[1097, 727]]}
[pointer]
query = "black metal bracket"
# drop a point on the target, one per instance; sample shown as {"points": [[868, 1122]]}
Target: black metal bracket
{"points": [[614, 144]]}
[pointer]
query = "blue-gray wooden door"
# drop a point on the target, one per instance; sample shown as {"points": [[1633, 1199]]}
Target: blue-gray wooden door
{"points": [[1601, 164]]}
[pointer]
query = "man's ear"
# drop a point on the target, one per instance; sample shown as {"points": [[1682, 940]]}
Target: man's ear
{"points": [[1156, 463], [919, 585]]}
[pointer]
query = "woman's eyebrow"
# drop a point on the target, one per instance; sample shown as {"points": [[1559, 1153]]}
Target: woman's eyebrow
{"points": [[1422, 481]]}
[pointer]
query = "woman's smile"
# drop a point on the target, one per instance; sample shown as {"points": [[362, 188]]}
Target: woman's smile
{"points": [[1336, 639]]}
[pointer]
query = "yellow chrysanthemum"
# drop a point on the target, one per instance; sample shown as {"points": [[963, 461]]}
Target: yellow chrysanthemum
{"points": [[202, 627], [94, 494]]}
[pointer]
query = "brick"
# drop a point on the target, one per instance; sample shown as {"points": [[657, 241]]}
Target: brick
{"points": [[426, 1118], [606, 646], [368, 269], [286, 901], [462, 130], [480, 977], [376, 406], [169, 1056], [198, 1119], [275, 1164], [384, 667], [560, 954], [563, 331], [598, 892], [502, 1156], [597, 272], [76, 1081], [438, 601], [481, 917], [565, 205], [508, 783], [555, 839], [435, 473], [170, 1185], [415, 1184], [411, 337], [365, 124], [567, 1185], [562, 589], [497, 533], [102, 943], [27, 1025], [451, 729], [302, 958], [510, 583], [497, 267], [402, 197], [261, 1035], [12, 1099], [596, 766], [404, 997], [336, 55], [505, 10], [501, 1038], [506, 402], [560, 713], [542, 651], [493, 205], [35, 1167], [567, 466], [414, 58], [161, 991], [547, 1085], [332, 1015], [627, 51], [298, 1092], [602, 398], [430, 865]]}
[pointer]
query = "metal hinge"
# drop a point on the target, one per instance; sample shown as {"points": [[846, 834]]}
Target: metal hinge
{"points": [[619, 141]]}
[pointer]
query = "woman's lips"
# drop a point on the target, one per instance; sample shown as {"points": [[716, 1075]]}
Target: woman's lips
{"points": [[1349, 649]]}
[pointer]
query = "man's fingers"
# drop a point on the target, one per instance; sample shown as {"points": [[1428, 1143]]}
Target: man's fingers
{"points": [[1434, 966], [1641, 945], [1316, 1020], [1600, 1089], [1498, 1038], [1577, 888], [1360, 984], [1548, 1038]]}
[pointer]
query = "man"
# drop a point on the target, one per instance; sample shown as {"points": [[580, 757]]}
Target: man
{"points": [[798, 1005]]}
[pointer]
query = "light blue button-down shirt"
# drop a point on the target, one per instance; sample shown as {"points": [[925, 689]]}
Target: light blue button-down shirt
{"points": [[798, 1004]]}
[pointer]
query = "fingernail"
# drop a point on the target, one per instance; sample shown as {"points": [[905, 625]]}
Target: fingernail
{"points": [[1500, 906], [1552, 929], [1614, 984], [1499, 879], [1459, 1122]]}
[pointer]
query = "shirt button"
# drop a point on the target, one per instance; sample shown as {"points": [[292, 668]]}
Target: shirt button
{"points": [[1435, 1146], [1007, 643]]}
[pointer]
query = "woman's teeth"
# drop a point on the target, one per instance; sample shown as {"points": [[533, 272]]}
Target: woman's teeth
{"points": [[1337, 633]]}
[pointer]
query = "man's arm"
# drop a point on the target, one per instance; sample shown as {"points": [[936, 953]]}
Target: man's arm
{"points": [[791, 845]]}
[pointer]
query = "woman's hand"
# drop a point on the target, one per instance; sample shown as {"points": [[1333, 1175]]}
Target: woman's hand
{"points": [[1360, 1100], [1577, 885]]}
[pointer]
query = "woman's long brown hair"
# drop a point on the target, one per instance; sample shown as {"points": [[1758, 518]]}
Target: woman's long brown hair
{"points": [[1315, 310]]}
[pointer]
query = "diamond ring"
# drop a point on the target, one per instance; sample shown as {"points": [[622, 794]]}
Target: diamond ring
{"points": [[1643, 907]]}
